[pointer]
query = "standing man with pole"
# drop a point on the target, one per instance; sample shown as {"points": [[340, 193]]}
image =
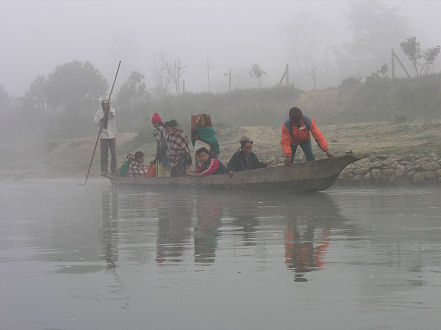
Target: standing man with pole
{"points": [[105, 117]]}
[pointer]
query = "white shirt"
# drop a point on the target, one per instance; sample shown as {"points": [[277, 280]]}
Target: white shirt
{"points": [[110, 131]]}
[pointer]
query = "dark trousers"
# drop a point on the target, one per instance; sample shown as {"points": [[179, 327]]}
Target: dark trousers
{"points": [[105, 145], [307, 149]]}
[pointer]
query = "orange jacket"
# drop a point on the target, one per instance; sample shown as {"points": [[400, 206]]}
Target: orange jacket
{"points": [[297, 136]]}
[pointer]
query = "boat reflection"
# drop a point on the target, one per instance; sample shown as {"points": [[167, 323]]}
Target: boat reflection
{"points": [[192, 223]]}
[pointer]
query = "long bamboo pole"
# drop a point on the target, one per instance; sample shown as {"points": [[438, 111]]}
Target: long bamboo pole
{"points": [[101, 125]]}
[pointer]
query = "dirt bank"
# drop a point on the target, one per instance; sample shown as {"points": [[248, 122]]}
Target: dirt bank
{"points": [[399, 153]]}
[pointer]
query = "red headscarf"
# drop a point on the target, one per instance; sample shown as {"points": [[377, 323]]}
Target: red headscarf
{"points": [[156, 119]]}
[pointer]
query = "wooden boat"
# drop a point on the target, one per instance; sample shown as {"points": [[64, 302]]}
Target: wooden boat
{"points": [[315, 175]]}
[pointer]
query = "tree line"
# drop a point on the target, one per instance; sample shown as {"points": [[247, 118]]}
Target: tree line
{"points": [[62, 103]]}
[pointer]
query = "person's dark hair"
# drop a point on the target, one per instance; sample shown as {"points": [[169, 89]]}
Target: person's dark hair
{"points": [[173, 123], [201, 150], [296, 115], [138, 155], [167, 124]]}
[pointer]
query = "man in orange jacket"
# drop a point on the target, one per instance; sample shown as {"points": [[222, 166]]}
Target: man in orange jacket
{"points": [[296, 131]]}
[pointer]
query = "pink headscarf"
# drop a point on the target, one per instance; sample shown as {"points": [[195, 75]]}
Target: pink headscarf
{"points": [[156, 119]]}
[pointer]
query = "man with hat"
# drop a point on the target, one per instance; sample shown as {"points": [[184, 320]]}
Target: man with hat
{"points": [[297, 131], [105, 118], [244, 159]]}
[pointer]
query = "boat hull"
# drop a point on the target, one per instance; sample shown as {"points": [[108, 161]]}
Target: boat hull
{"points": [[300, 177]]}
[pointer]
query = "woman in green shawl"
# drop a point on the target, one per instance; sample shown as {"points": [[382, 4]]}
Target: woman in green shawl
{"points": [[202, 132]]}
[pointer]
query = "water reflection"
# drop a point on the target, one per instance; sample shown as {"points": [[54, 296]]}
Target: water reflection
{"points": [[110, 221], [304, 248], [92, 251], [191, 224], [246, 222], [308, 230], [174, 230], [206, 231]]}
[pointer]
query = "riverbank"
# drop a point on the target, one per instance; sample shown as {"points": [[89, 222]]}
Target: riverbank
{"points": [[399, 153]]}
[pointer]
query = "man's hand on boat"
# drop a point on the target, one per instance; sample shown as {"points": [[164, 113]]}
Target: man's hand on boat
{"points": [[329, 154]]}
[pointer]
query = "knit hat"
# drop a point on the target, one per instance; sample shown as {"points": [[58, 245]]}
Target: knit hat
{"points": [[156, 119], [244, 140]]}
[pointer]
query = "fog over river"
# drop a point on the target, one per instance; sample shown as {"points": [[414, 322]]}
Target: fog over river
{"points": [[100, 257]]}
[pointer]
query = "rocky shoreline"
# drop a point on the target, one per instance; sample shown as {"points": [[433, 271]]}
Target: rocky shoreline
{"points": [[394, 170], [385, 170]]}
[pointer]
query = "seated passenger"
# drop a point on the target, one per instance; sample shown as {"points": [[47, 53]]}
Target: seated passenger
{"points": [[126, 165], [137, 167], [209, 164], [203, 135], [244, 159]]}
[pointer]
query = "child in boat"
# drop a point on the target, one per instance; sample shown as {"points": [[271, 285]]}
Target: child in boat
{"points": [[126, 165], [137, 167], [209, 164]]}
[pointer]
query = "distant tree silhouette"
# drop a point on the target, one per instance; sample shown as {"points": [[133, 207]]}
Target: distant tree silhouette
{"points": [[419, 58], [257, 72]]}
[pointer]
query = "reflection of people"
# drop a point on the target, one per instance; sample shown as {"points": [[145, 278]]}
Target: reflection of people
{"points": [[244, 158], [296, 131], [105, 117], [174, 231], [303, 251], [206, 232], [247, 221], [162, 158], [110, 227]]}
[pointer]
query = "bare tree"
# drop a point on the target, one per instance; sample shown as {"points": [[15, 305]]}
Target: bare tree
{"points": [[420, 59], [257, 72], [175, 72], [160, 72], [308, 40], [208, 66]]}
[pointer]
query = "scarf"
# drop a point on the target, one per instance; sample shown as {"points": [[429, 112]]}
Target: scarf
{"points": [[208, 135]]}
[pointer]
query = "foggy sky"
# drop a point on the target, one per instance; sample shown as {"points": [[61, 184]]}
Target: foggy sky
{"points": [[35, 36]]}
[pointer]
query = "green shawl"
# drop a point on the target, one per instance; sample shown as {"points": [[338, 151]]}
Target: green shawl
{"points": [[208, 135]]}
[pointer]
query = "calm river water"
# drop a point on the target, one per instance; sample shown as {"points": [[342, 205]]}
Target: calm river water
{"points": [[97, 257]]}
